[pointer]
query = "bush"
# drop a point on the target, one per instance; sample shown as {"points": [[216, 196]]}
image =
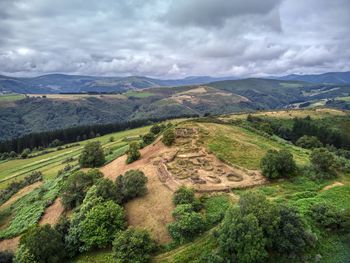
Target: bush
{"points": [[111, 139], [100, 225], [277, 164], [241, 238], [25, 153], [183, 195], [168, 137], [308, 142], [323, 161], [133, 245], [130, 185], [292, 238], [133, 153], [188, 224], [55, 143], [329, 216], [155, 129], [92, 155], [44, 244], [148, 138], [74, 189], [106, 189]]}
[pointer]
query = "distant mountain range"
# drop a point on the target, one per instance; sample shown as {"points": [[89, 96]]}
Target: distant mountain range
{"points": [[61, 83], [330, 77]]}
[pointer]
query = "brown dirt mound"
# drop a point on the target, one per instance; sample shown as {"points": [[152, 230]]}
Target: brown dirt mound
{"points": [[332, 185]]}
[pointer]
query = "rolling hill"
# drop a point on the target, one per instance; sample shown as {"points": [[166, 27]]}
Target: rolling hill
{"points": [[329, 77]]}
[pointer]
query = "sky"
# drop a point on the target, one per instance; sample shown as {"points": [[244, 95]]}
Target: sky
{"points": [[174, 38]]}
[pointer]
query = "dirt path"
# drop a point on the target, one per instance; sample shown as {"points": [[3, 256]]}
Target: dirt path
{"points": [[152, 211], [332, 185], [20, 194], [9, 244], [52, 213]]}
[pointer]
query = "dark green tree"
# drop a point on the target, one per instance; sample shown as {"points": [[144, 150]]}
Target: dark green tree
{"points": [[101, 223], [323, 161], [308, 142], [241, 239], [184, 195], [92, 155], [106, 189], [188, 224], [133, 245], [132, 184], [168, 137], [277, 164], [148, 138], [155, 129], [44, 244], [74, 189], [133, 153]]}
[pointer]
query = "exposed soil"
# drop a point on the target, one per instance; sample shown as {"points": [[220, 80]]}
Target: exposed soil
{"points": [[9, 244], [332, 185], [52, 213], [20, 194]]}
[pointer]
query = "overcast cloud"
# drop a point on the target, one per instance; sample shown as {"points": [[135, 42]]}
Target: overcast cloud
{"points": [[174, 38]]}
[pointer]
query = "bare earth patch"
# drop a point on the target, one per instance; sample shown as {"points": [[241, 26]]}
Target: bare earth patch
{"points": [[9, 244], [20, 194], [52, 213], [332, 185], [152, 211]]}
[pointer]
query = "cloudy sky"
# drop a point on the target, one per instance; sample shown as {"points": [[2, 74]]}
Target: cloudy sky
{"points": [[174, 38]]}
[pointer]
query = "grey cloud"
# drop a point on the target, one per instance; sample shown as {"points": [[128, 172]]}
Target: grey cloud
{"points": [[165, 38]]}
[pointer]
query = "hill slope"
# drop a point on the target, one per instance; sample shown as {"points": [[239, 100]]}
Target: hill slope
{"points": [[329, 77]]}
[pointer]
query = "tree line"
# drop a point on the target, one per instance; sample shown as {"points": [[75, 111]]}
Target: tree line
{"points": [[75, 134]]}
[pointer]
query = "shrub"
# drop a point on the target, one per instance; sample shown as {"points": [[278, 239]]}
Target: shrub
{"points": [[292, 237], [168, 137], [155, 129], [188, 224], [55, 143], [328, 216], [183, 195], [44, 244], [74, 189], [133, 245], [133, 153], [25, 153], [100, 225], [106, 189], [148, 138], [241, 238], [130, 185], [323, 161], [92, 155], [277, 164], [308, 142], [111, 139]]}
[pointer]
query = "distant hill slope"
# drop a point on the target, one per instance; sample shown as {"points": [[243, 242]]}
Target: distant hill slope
{"points": [[61, 83], [330, 77]]}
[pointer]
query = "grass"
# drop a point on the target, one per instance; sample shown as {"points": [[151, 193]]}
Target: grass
{"points": [[11, 97], [138, 94], [238, 146], [49, 164]]}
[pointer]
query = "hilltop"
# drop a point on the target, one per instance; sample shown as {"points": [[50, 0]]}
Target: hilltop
{"points": [[218, 157]]}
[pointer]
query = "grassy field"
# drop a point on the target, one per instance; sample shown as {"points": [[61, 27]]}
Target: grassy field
{"points": [[238, 146], [49, 164], [11, 97]]}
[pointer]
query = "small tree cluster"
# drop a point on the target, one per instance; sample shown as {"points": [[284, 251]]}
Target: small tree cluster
{"points": [[323, 162], [92, 155], [278, 164], [308, 142], [168, 137], [133, 245], [130, 185], [257, 225], [41, 244], [133, 153], [188, 222], [76, 186]]}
